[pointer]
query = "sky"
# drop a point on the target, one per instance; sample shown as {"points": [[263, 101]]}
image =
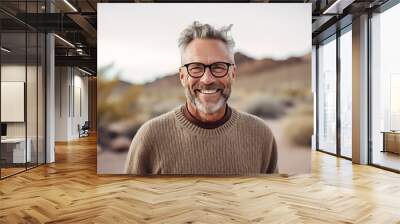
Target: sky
{"points": [[141, 39]]}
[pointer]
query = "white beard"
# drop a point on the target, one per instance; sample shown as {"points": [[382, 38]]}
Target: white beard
{"points": [[210, 108]]}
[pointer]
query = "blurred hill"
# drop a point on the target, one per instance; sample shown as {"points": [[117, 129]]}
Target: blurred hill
{"points": [[293, 68], [120, 88]]}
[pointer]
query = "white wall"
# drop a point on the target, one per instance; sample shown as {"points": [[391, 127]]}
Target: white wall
{"points": [[16, 73], [71, 93], [10, 73], [33, 126], [61, 103]]}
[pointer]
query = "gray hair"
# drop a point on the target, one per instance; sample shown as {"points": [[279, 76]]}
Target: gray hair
{"points": [[205, 31]]}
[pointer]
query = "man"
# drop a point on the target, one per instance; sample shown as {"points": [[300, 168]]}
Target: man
{"points": [[205, 136]]}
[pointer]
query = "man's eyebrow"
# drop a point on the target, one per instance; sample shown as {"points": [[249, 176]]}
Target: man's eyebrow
{"points": [[228, 61]]}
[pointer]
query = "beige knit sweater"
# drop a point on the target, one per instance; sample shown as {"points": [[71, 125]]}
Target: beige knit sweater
{"points": [[171, 144]]}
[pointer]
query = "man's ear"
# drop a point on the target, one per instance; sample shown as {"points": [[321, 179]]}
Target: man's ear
{"points": [[234, 74], [182, 76]]}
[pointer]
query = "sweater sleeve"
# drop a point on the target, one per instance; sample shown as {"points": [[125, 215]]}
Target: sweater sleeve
{"points": [[273, 161], [139, 159]]}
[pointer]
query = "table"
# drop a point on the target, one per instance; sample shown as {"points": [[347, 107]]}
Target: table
{"points": [[391, 141]]}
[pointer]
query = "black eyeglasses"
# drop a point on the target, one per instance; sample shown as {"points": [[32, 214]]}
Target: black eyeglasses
{"points": [[217, 69]]}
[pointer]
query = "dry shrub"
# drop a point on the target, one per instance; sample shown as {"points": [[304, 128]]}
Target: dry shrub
{"points": [[296, 92], [299, 129], [164, 106], [303, 109], [111, 108], [267, 107]]}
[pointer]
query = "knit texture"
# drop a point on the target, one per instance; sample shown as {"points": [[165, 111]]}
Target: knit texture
{"points": [[171, 144]]}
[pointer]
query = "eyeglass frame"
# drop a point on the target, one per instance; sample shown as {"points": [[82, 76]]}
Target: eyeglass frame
{"points": [[209, 67]]}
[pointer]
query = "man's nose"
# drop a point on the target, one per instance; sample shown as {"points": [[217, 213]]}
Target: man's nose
{"points": [[207, 77]]}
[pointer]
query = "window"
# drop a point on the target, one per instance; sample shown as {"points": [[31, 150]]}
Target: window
{"points": [[385, 89], [327, 96], [346, 93], [22, 77]]}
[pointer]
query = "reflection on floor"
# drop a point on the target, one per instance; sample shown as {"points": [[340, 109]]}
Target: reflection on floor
{"points": [[11, 169], [387, 159]]}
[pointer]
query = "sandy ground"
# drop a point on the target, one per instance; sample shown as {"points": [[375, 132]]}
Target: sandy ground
{"points": [[110, 163], [292, 159]]}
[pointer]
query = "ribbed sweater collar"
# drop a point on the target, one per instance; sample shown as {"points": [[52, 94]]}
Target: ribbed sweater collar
{"points": [[189, 126], [207, 125]]}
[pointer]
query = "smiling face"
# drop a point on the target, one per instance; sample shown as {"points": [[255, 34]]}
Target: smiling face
{"points": [[207, 93]]}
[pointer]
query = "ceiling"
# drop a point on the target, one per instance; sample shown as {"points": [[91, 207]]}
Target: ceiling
{"points": [[75, 22]]}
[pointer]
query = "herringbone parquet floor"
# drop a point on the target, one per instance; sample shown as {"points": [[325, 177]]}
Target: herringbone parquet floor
{"points": [[70, 191]]}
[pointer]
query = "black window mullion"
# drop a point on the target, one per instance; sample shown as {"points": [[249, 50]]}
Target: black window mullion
{"points": [[26, 87], [369, 90], [316, 96], [37, 90], [338, 76], [0, 97]]}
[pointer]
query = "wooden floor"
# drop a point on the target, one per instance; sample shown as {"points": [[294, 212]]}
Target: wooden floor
{"points": [[10, 171], [70, 191], [388, 159]]}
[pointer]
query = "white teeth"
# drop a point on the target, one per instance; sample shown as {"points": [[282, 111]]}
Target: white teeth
{"points": [[208, 91]]}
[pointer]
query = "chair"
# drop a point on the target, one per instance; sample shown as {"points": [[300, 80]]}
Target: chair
{"points": [[84, 130]]}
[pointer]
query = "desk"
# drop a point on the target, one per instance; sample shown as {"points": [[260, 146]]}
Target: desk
{"points": [[16, 147], [391, 141]]}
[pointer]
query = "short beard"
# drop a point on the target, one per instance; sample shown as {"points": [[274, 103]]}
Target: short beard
{"points": [[210, 108]]}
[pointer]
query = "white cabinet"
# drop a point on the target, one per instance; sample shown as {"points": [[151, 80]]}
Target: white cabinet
{"points": [[19, 155]]}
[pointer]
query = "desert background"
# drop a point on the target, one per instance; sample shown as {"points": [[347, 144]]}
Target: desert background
{"points": [[279, 91]]}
